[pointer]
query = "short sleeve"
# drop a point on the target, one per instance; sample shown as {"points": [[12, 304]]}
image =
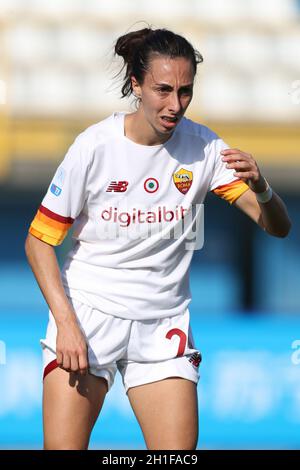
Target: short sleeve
{"points": [[223, 182], [65, 197]]}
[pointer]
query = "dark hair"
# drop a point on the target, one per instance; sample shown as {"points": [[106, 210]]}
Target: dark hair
{"points": [[138, 47]]}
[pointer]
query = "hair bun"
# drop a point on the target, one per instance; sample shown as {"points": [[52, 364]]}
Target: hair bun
{"points": [[126, 44]]}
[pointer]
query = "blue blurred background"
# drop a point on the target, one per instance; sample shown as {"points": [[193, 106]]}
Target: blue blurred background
{"points": [[56, 74]]}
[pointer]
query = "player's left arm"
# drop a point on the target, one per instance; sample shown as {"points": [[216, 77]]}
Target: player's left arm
{"points": [[271, 216]]}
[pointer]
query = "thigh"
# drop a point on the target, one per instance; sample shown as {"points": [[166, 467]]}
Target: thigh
{"points": [[167, 411], [71, 405]]}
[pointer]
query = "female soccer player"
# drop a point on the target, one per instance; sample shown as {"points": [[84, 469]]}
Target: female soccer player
{"points": [[130, 184]]}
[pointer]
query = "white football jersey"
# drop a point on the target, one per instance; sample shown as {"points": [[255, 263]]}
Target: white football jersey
{"points": [[136, 212]]}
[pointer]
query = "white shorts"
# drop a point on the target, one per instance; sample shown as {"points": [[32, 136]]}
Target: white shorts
{"points": [[143, 351]]}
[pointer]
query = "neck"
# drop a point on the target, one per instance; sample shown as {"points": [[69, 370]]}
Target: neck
{"points": [[138, 129]]}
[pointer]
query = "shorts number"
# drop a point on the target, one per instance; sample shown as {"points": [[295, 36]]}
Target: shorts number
{"points": [[182, 342]]}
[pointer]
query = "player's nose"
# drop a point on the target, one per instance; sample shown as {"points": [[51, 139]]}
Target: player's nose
{"points": [[174, 104]]}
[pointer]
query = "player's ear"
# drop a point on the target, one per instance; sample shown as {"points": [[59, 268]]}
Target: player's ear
{"points": [[136, 89]]}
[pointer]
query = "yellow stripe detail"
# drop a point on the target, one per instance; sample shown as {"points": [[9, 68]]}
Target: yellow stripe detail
{"points": [[231, 192], [46, 232], [43, 237]]}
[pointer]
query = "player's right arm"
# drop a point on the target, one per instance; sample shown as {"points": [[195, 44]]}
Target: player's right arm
{"points": [[61, 205], [71, 349]]}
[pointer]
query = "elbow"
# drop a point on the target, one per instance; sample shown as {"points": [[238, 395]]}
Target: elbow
{"points": [[27, 246], [281, 232], [286, 231]]}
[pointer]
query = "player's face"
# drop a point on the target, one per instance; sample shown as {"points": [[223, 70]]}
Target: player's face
{"points": [[165, 93]]}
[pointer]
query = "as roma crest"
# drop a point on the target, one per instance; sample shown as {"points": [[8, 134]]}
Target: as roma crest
{"points": [[183, 180]]}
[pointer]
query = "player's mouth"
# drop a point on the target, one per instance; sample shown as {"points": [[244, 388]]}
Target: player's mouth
{"points": [[169, 122]]}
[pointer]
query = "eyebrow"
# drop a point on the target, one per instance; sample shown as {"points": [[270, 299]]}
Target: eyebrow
{"points": [[167, 85]]}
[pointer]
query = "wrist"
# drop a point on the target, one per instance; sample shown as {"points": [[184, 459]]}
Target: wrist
{"points": [[259, 186], [65, 319], [266, 195]]}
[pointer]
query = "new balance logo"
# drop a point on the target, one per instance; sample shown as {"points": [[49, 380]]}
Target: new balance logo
{"points": [[117, 186], [195, 359]]}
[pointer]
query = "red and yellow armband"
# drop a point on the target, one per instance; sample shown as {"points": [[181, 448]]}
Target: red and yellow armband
{"points": [[231, 191], [50, 227]]}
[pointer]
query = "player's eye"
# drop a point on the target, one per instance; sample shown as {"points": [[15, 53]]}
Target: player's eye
{"points": [[186, 91], [163, 90]]}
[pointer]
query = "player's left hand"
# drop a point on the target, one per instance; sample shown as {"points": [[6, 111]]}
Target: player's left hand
{"points": [[245, 168]]}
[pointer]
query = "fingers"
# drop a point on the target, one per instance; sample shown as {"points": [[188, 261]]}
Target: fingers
{"points": [[83, 363], [245, 175], [73, 362], [71, 349], [231, 155], [239, 165], [243, 163], [227, 152], [59, 358], [242, 168], [63, 360]]}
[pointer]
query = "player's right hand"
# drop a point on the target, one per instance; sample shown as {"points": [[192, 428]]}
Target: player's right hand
{"points": [[71, 349]]}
